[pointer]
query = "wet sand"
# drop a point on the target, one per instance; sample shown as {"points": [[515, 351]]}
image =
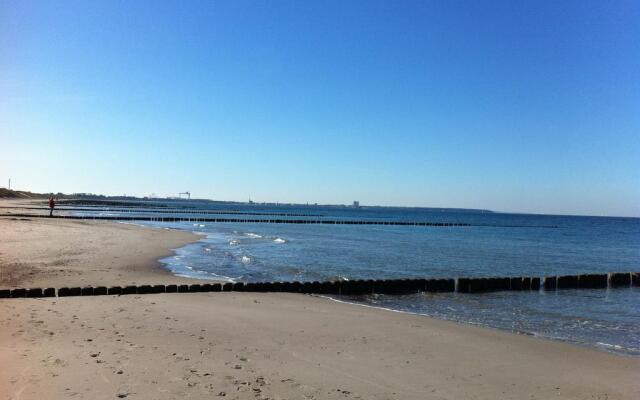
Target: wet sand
{"points": [[250, 345]]}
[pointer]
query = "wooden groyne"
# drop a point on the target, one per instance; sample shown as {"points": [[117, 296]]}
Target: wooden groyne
{"points": [[272, 221], [356, 287], [240, 220]]}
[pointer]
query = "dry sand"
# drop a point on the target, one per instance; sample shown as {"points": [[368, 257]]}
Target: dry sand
{"points": [[254, 346]]}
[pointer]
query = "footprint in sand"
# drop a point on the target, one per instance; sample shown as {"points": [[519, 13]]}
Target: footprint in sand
{"points": [[262, 381]]}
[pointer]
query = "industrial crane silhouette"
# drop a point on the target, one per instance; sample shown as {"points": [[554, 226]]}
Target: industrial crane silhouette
{"points": [[187, 193]]}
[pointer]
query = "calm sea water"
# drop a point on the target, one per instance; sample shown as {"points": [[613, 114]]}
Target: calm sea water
{"points": [[495, 245]]}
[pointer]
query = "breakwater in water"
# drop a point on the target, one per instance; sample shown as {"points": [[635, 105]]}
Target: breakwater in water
{"points": [[240, 220], [266, 220], [355, 287]]}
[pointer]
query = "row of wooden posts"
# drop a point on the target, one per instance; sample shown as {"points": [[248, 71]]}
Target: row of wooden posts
{"points": [[241, 220], [355, 287]]}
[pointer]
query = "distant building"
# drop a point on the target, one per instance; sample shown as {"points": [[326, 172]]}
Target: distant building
{"points": [[356, 204]]}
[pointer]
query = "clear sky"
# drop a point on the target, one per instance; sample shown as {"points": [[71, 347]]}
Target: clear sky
{"points": [[526, 106]]}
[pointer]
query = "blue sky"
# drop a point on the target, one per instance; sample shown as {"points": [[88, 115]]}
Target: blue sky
{"points": [[505, 105]]}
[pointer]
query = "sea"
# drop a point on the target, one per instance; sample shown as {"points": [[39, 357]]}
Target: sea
{"points": [[491, 245]]}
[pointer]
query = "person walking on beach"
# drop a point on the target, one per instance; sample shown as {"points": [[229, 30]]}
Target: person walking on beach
{"points": [[52, 204]]}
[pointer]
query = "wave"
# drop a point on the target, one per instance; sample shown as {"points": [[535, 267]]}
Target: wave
{"points": [[245, 259], [204, 275], [253, 235], [620, 348], [279, 240]]}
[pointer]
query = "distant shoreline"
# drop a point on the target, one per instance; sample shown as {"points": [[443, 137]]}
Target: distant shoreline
{"points": [[94, 199]]}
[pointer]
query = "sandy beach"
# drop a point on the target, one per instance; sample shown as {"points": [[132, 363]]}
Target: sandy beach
{"points": [[43, 252], [249, 345]]}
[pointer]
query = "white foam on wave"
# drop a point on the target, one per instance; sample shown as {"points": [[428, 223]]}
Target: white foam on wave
{"points": [[279, 240], [207, 249], [202, 225], [614, 346], [365, 305], [253, 235], [206, 275], [142, 225], [233, 242], [246, 259]]}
